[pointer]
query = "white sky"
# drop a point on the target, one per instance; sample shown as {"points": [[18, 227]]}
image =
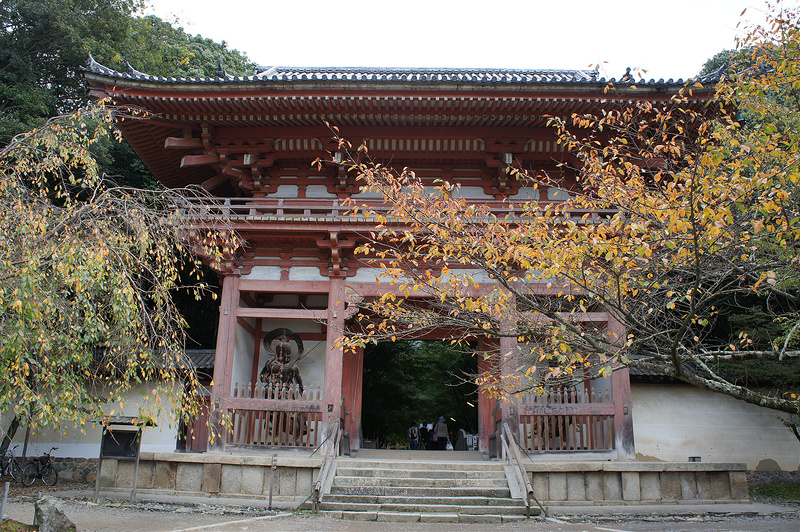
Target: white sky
{"points": [[667, 38]]}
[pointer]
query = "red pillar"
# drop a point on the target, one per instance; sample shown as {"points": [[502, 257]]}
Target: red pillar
{"points": [[353, 371], [486, 365], [623, 403], [332, 393], [223, 359]]}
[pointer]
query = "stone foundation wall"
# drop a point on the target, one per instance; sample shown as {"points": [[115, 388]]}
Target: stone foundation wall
{"points": [[764, 478], [77, 469], [588, 483], [214, 474]]}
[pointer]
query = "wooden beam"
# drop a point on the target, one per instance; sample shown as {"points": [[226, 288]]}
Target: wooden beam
{"points": [[282, 313], [278, 287], [566, 409], [198, 160], [182, 143], [214, 182], [278, 405]]}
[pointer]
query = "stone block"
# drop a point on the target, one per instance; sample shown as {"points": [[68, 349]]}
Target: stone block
{"points": [[612, 486], [738, 480], [146, 474], [305, 480], [558, 486], [594, 486], [231, 481], [631, 491], [360, 516], [212, 476], [703, 485], [720, 485], [541, 486], [576, 487], [650, 485], [670, 486], [688, 486], [189, 477], [125, 469], [164, 475], [108, 473], [429, 518], [286, 480], [253, 480]]}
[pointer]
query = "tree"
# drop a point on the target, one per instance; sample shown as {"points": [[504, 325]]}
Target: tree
{"points": [[87, 269], [44, 44], [681, 216]]}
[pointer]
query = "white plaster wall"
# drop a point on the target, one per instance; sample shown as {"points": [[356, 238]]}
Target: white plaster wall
{"points": [[470, 192], [318, 191], [672, 422], [285, 191], [74, 443], [243, 355], [264, 273], [306, 273], [526, 193]]}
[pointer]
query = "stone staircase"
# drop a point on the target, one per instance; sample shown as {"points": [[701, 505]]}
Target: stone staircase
{"points": [[422, 486]]}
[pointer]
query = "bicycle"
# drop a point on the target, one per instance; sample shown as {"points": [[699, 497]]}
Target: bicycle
{"points": [[9, 467], [42, 468]]}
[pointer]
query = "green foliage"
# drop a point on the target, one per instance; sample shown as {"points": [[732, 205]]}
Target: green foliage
{"points": [[46, 42], [156, 47], [788, 491], [87, 271], [409, 383]]}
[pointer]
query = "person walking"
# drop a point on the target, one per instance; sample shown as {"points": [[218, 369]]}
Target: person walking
{"points": [[413, 437], [440, 434]]}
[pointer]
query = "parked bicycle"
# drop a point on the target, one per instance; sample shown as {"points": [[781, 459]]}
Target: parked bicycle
{"points": [[9, 467], [42, 468]]}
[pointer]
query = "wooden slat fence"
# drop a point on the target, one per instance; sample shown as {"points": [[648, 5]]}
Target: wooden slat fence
{"points": [[567, 419], [275, 416]]}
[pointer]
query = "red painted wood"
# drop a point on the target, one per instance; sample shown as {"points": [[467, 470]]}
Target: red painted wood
{"points": [[332, 395]]}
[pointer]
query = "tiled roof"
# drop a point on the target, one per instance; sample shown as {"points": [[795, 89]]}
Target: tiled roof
{"points": [[387, 75], [201, 358]]}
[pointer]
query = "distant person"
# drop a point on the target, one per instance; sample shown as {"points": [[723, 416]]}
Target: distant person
{"points": [[440, 434], [413, 438], [430, 442], [423, 436]]}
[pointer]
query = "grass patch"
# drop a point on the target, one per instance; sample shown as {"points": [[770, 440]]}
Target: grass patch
{"points": [[13, 526], [789, 491]]}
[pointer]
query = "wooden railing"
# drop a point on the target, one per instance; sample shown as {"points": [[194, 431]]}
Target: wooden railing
{"points": [[275, 416], [310, 209], [514, 456], [568, 419], [330, 450]]}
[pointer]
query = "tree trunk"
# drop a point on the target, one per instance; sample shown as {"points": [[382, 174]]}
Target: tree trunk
{"points": [[12, 430]]}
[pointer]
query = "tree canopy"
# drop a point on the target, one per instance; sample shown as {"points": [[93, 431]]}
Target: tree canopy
{"points": [[45, 43], [87, 269], [681, 217]]}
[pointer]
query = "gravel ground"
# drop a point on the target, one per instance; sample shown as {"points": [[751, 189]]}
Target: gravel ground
{"points": [[115, 515]]}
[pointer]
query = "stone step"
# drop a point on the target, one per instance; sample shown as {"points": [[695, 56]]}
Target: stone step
{"points": [[418, 473], [421, 482], [420, 491], [451, 501], [409, 465], [402, 517], [426, 508]]}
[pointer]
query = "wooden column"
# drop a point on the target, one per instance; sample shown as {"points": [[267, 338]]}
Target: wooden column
{"points": [[509, 362], [353, 371], [332, 394], [223, 359], [486, 364], [623, 404]]}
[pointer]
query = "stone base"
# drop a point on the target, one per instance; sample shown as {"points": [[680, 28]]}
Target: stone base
{"points": [[587, 483]]}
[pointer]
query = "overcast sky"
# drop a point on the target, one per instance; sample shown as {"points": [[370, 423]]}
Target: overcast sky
{"points": [[667, 38]]}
